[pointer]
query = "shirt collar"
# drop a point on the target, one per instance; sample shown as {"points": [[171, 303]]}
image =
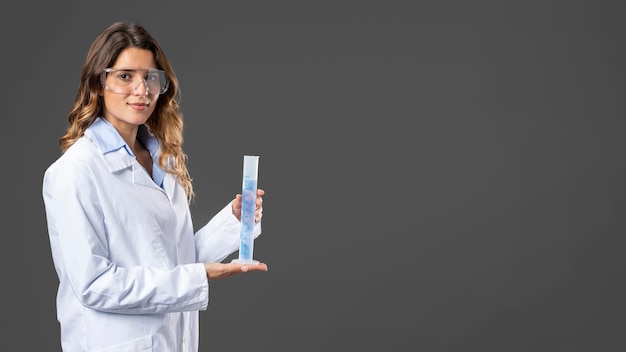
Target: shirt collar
{"points": [[109, 140]]}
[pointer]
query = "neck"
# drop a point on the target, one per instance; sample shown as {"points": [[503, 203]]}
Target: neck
{"points": [[128, 132]]}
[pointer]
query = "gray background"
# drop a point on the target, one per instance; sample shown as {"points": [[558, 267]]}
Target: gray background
{"points": [[440, 175]]}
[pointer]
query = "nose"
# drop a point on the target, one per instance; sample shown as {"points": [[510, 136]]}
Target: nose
{"points": [[138, 88]]}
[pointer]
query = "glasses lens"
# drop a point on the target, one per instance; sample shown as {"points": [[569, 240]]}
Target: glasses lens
{"points": [[127, 81]]}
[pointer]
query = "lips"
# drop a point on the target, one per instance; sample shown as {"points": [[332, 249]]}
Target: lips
{"points": [[139, 106]]}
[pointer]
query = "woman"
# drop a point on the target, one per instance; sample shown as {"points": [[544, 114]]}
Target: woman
{"points": [[132, 274]]}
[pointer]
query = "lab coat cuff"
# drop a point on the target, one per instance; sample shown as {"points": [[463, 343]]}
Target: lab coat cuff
{"points": [[199, 271]]}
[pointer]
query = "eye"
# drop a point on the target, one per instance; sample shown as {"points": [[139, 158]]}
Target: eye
{"points": [[125, 76], [152, 77]]}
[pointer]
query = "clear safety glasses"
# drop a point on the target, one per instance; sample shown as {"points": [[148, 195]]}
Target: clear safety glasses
{"points": [[127, 81]]}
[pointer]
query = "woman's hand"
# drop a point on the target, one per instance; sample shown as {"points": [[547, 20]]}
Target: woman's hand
{"points": [[216, 271], [236, 204]]}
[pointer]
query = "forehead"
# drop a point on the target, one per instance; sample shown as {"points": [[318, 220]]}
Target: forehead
{"points": [[135, 58]]}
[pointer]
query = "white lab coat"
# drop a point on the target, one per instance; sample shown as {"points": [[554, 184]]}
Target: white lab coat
{"points": [[130, 268]]}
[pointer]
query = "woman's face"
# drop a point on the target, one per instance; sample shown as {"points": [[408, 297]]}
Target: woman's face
{"points": [[128, 100]]}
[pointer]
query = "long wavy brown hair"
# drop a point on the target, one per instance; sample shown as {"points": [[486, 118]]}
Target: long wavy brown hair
{"points": [[165, 123]]}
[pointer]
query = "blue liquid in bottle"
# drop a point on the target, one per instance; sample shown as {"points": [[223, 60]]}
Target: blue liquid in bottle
{"points": [[248, 207]]}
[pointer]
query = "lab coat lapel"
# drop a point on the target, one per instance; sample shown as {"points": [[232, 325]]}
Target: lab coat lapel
{"points": [[169, 186], [119, 160], [141, 176]]}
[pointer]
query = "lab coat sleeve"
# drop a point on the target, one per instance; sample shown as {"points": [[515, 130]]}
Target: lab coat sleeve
{"points": [[219, 238], [80, 252]]}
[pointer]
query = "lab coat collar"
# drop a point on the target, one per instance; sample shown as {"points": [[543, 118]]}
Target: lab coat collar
{"points": [[118, 156]]}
